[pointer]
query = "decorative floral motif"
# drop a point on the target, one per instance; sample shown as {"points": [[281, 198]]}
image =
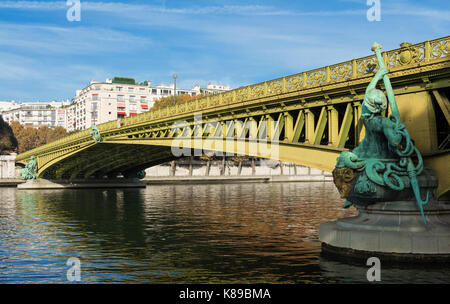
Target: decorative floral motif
{"points": [[256, 91], [341, 71], [439, 48], [294, 83], [316, 77], [275, 86]]}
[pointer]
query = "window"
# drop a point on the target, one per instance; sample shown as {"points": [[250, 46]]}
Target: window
{"points": [[94, 96], [132, 99], [119, 89], [165, 92], [143, 100], [154, 91], [120, 98], [130, 89]]}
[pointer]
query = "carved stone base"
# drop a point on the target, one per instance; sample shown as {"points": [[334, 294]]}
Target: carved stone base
{"points": [[393, 230]]}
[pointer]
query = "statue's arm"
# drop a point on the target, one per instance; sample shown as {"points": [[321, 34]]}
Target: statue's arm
{"points": [[378, 76]]}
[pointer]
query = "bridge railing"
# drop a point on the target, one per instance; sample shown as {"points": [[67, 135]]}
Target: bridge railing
{"points": [[408, 55]]}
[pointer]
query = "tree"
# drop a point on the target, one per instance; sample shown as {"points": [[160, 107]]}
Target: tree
{"points": [[29, 138], [8, 142], [164, 102]]}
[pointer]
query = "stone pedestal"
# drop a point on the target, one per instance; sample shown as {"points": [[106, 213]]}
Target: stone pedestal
{"points": [[392, 231]]}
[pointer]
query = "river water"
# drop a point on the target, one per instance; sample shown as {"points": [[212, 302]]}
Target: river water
{"points": [[219, 233]]}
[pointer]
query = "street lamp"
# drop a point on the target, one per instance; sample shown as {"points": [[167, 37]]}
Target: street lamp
{"points": [[175, 89]]}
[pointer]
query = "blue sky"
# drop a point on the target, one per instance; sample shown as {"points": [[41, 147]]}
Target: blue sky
{"points": [[43, 56]]}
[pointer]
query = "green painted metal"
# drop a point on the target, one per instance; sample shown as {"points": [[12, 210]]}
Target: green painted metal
{"points": [[95, 133], [29, 172], [386, 153], [141, 174], [297, 97]]}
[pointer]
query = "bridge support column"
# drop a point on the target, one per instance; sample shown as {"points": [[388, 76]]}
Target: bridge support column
{"points": [[333, 126], [419, 117]]}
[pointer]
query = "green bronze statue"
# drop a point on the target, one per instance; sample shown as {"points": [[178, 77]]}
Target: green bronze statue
{"points": [[29, 172], [95, 133], [386, 166]]}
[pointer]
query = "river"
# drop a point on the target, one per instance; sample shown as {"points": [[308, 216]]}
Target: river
{"points": [[218, 233]]}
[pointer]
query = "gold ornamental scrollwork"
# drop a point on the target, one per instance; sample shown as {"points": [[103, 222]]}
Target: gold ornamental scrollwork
{"points": [[439, 48], [256, 91], [316, 77], [407, 54], [227, 98], [275, 86], [366, 65], [295, 82], [341, 71], [241, 94]]}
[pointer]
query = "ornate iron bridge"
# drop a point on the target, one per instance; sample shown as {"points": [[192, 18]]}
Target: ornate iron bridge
{"points": [[307, 118]]}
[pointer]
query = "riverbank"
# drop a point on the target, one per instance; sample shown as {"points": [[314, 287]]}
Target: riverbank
{"points": [[234, 179], [10, 182], [163, 180]]}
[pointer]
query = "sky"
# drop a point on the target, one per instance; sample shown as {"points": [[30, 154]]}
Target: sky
{"points": [[44, 56]]}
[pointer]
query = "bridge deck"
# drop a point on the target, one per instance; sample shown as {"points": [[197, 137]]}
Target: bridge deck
{"points": [[306, 118]]}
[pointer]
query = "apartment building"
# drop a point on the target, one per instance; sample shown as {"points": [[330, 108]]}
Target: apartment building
{"points": [[116, 98], [101, 102], [6, 105], [213, 88], [36, 114]]}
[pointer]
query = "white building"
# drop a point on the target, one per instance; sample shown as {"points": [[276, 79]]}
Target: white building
{"points": [[213, 88], [101, 102], [116, 98], [8, 105], [36, 114]]}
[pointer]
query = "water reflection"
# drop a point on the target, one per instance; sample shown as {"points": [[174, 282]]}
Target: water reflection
{"points": [[233, 233]]}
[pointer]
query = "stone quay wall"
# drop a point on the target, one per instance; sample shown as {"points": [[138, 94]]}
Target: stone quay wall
{"points": [[188, 167], [8, 166]]}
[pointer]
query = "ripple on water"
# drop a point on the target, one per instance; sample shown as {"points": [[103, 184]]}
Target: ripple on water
{"points": [[223, 233]]}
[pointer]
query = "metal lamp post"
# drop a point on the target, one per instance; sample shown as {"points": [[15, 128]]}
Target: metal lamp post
{"points": [[175, 89]]}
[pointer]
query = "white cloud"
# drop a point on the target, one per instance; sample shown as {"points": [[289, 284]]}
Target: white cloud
{"points": [[400, 8], [25, 78], [68, 40]]}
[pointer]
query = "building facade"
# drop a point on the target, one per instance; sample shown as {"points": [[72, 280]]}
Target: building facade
{"points": [[36, 114], [101, 102], [6, 105], [116, 98], [213, 88]]}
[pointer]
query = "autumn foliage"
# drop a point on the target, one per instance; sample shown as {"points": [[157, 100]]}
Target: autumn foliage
{"points": [[8, 143], [164, 102], [29, 138]]}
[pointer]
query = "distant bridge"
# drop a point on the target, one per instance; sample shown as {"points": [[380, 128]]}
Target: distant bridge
{"points": [[307, 118]]}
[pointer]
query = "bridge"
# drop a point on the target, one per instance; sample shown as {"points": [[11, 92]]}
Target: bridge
{"points": [[308, 118]]}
